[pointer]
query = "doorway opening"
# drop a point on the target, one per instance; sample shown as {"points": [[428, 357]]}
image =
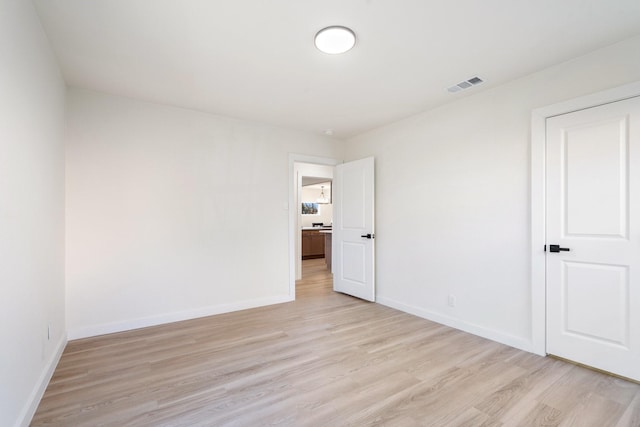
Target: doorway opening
{"points": [[352, 247], [316, 220], [310, 181]]}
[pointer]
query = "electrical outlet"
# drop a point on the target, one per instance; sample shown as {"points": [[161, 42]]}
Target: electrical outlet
{"points": [[452, 300]]}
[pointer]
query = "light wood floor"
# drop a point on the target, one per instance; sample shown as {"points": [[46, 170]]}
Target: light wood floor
{"points": [[324, 360]]}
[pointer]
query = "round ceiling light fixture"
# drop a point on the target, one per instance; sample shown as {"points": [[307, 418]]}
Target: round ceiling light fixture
{"points": [[335, 39]]}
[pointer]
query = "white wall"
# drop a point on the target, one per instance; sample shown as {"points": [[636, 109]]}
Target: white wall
{"points": [[325, 211], [31, 212], [172, 213], [452, 192]]}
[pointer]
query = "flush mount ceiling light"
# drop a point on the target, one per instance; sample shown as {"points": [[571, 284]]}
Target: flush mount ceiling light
{"points": [[335, 39]]}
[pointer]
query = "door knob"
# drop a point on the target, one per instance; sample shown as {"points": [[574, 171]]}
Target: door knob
{"points": [[368, 236], [557, 248]]}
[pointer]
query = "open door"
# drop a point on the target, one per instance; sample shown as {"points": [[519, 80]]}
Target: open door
{"points": [[353, 229]]}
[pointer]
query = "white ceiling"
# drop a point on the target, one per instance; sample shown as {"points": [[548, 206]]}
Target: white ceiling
{"points": [[312, 182], [255, 59]]}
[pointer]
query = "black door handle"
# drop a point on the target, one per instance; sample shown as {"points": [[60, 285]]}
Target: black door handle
{"points": [[368, 236], [557, 248]]}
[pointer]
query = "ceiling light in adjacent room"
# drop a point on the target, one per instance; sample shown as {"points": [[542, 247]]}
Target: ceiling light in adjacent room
{"points": [[322, 199], [335, 39]]}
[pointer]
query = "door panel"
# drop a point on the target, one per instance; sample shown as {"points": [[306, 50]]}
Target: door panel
{"points": [[353, 254], [354, 271], [353, 203], [595, 173], [593, 209], [596, 298]]}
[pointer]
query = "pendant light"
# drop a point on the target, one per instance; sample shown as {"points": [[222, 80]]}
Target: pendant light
{"points": [[322, 199]]}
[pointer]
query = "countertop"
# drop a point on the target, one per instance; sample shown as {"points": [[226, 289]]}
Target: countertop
{"points": [[325, 227]]}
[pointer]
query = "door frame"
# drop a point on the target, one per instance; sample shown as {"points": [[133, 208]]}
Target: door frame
{"points": [[293, 209], [538, 197]]}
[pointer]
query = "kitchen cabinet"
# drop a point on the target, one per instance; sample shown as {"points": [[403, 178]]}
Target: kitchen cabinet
{"points": [[312, 244], [327, 248]]}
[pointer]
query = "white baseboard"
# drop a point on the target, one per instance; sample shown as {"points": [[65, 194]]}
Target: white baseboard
{"points": [[127, 325], [493, 335], [30, 407]]}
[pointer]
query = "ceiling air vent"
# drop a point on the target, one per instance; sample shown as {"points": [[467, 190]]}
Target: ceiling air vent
{"points": [[465, 84]]}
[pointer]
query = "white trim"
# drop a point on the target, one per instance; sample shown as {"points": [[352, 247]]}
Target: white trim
{"points": [[538, 238], [293, 210], [127, 325], [491, 334], [33, 401], [538, 196]]}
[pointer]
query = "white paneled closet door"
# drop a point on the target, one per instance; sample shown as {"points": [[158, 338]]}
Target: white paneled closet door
{"points": [[593, 237]]}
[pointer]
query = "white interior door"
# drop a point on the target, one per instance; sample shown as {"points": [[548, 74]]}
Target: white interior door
{"points": [[593, 210], [353, 229]]}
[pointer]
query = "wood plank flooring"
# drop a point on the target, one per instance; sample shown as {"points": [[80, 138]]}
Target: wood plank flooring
{"points": [[324, 360]]}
